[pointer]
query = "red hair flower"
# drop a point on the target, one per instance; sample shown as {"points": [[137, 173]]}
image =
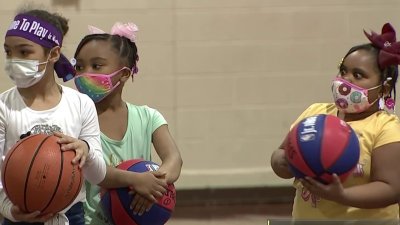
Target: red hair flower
{"points": [[389, 49]]}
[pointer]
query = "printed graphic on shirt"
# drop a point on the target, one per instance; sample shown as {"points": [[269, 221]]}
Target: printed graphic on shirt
{"points": [[308, 196], [359, 170], [45, 129], [42, 129]]}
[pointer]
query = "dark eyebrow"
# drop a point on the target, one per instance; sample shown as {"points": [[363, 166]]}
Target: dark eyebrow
{"points": [[24, 45], [98, 58], [19, 46], [358, 70]]}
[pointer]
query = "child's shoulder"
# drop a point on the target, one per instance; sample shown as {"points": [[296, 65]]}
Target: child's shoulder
{"points": [[74, 95], [8, 93], [142, 109], [9, 96], [321, 108], [383, 117]]}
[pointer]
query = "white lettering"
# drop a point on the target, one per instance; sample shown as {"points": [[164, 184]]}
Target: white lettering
{"points": [[14, 25], [34, 26], [25, 25]]}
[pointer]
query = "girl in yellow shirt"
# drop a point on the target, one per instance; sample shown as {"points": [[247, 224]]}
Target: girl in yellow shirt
{"points": [[370, 72]]}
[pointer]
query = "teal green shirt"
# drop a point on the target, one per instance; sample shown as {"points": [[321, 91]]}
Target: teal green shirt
{"points": [[136, 143]]}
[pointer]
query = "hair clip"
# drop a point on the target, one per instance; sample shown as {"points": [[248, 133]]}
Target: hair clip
{"points": [[389, 53], [127, 30]]}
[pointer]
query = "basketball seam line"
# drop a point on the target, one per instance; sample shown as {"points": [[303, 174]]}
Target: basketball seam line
{"points": [[59, 178], [76, 194], [29, 171]]}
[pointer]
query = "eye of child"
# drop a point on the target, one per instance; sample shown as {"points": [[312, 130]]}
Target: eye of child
{"points": [[357, 75], [8, 52], [96, 66], [342, 71], [23, 53], [78, 67]]}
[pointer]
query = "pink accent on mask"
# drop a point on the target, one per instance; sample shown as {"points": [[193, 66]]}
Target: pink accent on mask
{"points": [[365, 91], [96, 86]]}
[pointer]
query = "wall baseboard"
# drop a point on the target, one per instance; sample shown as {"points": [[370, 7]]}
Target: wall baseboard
{"points": [[271, 202], [232, 196]]}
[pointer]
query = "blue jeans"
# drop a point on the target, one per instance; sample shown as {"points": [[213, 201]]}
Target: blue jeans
{"points": [[75, 215]]}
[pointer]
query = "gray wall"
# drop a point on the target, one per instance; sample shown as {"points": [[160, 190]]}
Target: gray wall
{"points": [[229, 75]]}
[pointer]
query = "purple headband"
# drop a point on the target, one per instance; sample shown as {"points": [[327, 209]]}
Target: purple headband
{"points": [[45, 34], [35, 30]]}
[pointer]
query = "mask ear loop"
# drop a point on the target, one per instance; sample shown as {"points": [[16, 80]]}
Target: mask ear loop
{"points": [[388, 100]]}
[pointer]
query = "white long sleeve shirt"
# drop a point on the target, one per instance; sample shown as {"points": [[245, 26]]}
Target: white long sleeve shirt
{"points": [[75, 116]]}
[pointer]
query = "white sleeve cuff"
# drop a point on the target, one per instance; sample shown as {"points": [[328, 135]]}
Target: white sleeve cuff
{"points": [[5, 206]]}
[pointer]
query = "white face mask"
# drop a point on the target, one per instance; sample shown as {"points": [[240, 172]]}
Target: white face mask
{"points": [[24, 73]]}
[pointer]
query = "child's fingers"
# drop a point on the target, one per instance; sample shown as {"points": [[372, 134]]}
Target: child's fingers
{"points": [[44, 218], [69, 146], [336, 178], [158, 174], [58, 134], [150, 197], [65, 140], [78, 156], [157, 194], [149, 204], [83, 160], [134, 201], [142, 209], [162, 188], [139, 205]]}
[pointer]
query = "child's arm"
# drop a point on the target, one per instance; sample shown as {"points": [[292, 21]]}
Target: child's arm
{"points": [[13, 213], [279, 163], [168, 152], [147, 184], [5, 206], [94, 169]]}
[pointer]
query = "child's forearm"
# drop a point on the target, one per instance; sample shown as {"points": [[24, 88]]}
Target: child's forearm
{"points": [[371, 195], [279, 164], [116, 178], [172, 166]]}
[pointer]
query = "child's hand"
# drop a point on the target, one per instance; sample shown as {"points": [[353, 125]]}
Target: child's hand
{"points": [[150, 185], [80, 147], [333, 191], [153, 185], [29, 217], [140, 204]]}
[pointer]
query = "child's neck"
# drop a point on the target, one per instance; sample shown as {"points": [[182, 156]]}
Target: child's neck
{"points": [[110, 105]]}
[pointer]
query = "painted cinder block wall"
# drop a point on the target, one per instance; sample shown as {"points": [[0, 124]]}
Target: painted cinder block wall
{"points": [[230, 76]]}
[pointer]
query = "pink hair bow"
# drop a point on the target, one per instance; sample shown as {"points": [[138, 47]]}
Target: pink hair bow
{"points": [[127, 30], [389, 49]]}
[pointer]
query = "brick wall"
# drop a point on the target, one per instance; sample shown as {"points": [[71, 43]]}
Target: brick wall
{"points": [[230, 75]]}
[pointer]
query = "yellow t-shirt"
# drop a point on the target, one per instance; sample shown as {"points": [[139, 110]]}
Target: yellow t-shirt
{"points": [[374, 131]]}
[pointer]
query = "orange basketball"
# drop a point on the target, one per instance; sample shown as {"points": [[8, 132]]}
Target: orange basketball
{"points": [[38, 176]]}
